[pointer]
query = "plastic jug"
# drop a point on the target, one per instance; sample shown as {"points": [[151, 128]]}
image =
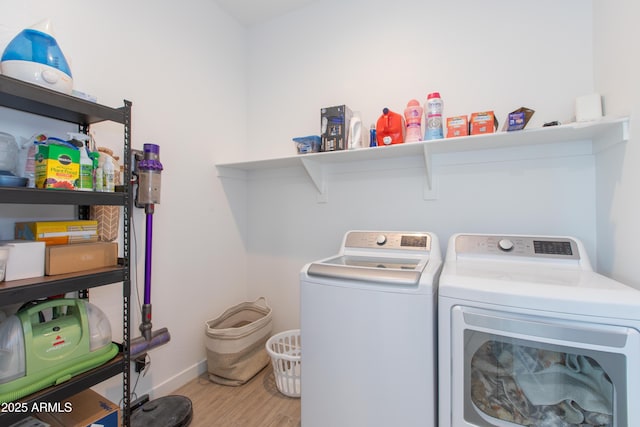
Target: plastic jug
{"points": [[390, 128]]}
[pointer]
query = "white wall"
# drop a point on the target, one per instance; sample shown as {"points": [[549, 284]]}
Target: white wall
{"points": [[372, 54], [182, 65], [617, 69]]}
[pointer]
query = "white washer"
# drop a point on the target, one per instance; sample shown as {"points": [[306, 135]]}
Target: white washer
{"points": [[368, 331], [529, 334]]}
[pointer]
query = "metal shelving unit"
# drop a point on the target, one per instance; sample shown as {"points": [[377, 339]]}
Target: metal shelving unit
{"points": [[22, 96]]}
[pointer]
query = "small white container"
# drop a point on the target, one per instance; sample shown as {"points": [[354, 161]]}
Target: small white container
{"points": [[108, 171], [4, 255]]}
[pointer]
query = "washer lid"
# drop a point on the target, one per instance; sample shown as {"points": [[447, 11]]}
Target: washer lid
{"points": [[387, 270]]}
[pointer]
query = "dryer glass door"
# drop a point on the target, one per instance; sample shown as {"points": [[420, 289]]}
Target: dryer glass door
{"points": [[538, 371]]}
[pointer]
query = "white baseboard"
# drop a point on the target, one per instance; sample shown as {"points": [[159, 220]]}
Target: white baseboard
{"points": [[181, 378]]}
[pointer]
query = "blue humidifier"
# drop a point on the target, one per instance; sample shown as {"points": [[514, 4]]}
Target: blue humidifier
{"points": [[35, 57]]}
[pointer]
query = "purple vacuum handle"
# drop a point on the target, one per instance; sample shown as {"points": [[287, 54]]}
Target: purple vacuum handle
{"points": [[147, 261]]}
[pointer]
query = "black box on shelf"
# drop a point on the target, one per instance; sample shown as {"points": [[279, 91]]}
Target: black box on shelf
{"points": [[334, 127]]}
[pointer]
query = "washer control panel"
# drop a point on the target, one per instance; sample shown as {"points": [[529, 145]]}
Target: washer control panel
{"points": [[388, 240], [527, 246]]}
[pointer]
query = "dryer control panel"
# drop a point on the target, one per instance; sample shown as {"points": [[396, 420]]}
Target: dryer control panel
{"points": [[518, 246]]}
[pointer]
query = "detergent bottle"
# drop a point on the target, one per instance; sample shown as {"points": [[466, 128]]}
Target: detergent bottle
{"points": [[390, 128], [433, 111], [413, 118]]}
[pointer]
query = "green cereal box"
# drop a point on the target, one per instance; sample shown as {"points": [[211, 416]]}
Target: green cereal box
{"points": [[57, 167]]}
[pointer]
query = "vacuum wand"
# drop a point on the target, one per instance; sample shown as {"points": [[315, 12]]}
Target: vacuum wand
{"points": [[148, 169]]}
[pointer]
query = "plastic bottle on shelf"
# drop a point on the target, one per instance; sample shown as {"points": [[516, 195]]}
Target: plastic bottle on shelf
{"points": [[85, 183], [372, 136], [108, 171], [30, 165], [433, 112], [413, 119], [390, 128], [97, 183]]}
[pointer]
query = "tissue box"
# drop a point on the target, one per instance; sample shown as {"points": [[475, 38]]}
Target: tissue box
{"points": [[334, 123], [26, 259], [61, 259], [57, 167], [58, 232], [588, 107]]}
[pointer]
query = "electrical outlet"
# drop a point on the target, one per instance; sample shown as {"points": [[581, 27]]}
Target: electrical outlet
{"points": [[140, 363]]}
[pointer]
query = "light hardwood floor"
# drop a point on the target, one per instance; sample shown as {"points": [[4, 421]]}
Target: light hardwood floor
{"points": [[258, 403]]}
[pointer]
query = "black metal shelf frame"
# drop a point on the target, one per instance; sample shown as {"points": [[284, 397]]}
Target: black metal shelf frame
{"points": [[29, 98]]}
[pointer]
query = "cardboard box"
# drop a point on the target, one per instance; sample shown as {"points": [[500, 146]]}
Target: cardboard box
{"points": [[61, 259], [57, 166], [518, 119], [483, 122], [86, 409], [457, 126], [58, 232], [334, 123], [26, 259]]}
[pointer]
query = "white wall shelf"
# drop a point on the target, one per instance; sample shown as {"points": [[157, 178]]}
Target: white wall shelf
{"points": [[598, 134]]}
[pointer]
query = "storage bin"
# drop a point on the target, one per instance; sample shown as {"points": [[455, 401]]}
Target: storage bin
{"points": [[285, 350], [236, 341]]}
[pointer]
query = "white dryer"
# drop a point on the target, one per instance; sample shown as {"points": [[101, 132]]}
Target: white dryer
{"points": [[368, 331], [530, 335]]}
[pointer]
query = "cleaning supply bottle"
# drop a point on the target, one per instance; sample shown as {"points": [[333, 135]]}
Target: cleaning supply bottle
{"points": [[85, 183], [413, 119], [355, 131], [109, 173], [97, 184], [390, 128], [433, 113], [372, 136]]}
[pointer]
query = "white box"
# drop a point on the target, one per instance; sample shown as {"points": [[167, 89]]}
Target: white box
{"points": [[588, 107], [30, 422], [26, 259]]}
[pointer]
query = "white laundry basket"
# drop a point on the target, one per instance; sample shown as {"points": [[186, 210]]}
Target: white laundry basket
{"points": [[285, 351]]}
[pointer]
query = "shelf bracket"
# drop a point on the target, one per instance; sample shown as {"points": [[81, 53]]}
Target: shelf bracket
{"points": [[316, 172], [430, 192], [612, 135]]}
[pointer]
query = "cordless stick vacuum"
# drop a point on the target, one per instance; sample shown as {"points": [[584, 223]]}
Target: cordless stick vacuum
{"points": [[166, 411], [149, 171]]}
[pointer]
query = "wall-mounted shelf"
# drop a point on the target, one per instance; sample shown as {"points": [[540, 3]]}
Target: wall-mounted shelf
{"points": [[599, 134]]}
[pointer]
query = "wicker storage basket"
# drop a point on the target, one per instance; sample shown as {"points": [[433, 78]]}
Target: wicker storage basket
{"points": [[236, 341]]}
